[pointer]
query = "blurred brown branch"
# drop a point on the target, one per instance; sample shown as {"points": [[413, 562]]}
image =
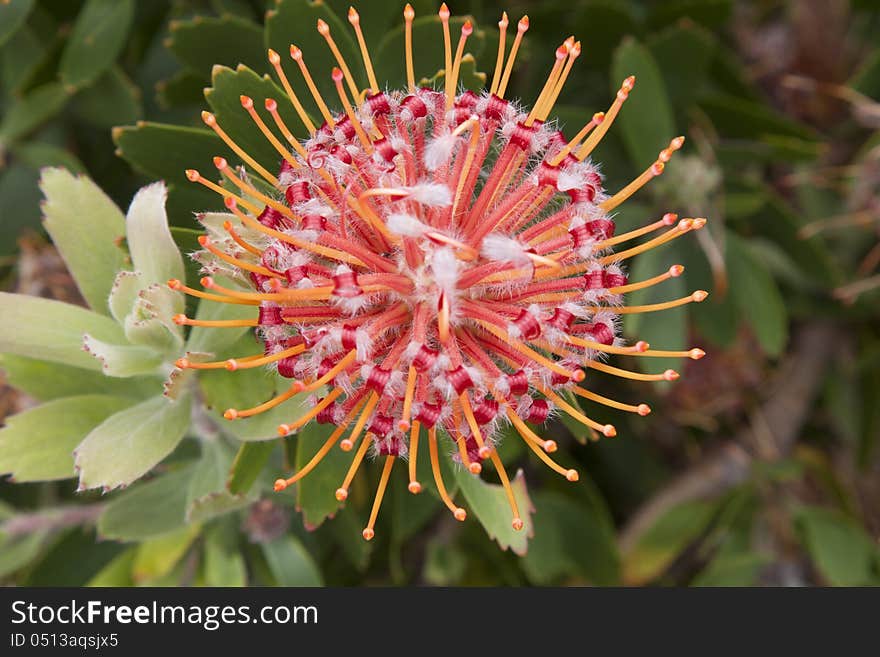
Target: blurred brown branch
{"points": [[51, 519], [771, 433]]}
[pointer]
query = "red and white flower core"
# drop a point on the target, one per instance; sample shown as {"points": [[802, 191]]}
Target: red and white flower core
{"points": [[434, 261]]}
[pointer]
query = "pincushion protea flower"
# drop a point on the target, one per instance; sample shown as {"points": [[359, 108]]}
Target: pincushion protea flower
{"points": [[430, 261]]}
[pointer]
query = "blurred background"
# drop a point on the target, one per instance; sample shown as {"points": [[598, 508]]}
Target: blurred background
{"points": [[760, 466]]}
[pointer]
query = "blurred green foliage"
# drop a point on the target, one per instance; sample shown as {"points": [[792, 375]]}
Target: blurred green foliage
{"points": [[760, 466]]}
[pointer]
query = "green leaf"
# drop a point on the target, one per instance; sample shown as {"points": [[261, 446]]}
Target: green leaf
{"points": [[736, 570], [112, 100], [757, 296], [166, 151], [468, 76], [841, 550], [290, 563], [247, 388], [207, 496], [488, 503], [204, 41], [224, 97], [38, 444], [17, 551], [153, 251], [46, 381], [151, 321], [40, 105], [124, 293], [683, 53], [223, 564], [570, 541], [19, 205], [670, 534], [117, 572], [605, 21], [315, 492], [867, 79], [123, 360], [84, 224], [13, 14], [711, 13], [156, 557], [128, 444], [38, 155], [183, 88], [98, 36], [646, 123], [427, 32], [247, 466], [51, 330], [294, 22], [146, 510]]}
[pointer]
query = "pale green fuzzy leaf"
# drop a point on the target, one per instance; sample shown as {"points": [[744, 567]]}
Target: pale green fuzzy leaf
{"points": [[123, 360], [128, 444], [157, 556], [152, 333], [45, 381], [290, 563], [98, 36], [488, 503], [38, 444], [123, 294], [52, 330], [153, 251], [84, 224], [146, 510]]}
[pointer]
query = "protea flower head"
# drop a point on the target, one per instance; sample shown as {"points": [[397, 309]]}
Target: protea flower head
{"points": [[430, 262]]}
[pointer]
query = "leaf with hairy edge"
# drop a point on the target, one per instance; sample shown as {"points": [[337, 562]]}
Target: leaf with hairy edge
{"points": [[224, 97], [153, 251], [52, 330], [146, 510], [37, 444], [203, 41], [489, 504], [290, 562], [427, 37], [98, 36], [167, 151], [123, 360], [294, 22], [84, 224], [128, 444], [46, 381]]}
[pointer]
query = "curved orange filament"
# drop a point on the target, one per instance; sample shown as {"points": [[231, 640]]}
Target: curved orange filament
{"points": [[380, 493], [459, 513]]}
